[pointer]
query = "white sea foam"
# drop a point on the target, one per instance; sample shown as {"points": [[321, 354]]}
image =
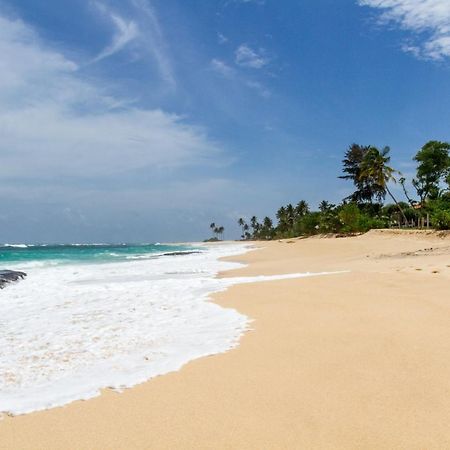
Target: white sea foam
{"points": [[15, 245], [70, 330]]}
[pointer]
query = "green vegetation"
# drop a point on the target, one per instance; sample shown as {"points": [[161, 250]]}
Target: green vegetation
{"points": [[368, 168]]}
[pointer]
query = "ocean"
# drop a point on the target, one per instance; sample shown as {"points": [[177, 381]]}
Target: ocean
{"points": [[89, 317]]}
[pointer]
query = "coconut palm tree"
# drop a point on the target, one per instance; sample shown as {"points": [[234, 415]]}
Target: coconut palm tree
{"points": [[213, 228], [290, 216], [282, 220], [325, 206], [366, 188], [241, 223], [255, 225], [374, 166], [301, 209], [246, 233], [267, 230]]}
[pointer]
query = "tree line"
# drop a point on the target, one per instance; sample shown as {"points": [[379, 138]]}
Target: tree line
{"points": [[368, 169]]}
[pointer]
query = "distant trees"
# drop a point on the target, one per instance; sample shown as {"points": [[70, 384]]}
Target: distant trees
{"points": [[213, 229], [241, 223], [369, 170], [432, 171], [218, 232]]}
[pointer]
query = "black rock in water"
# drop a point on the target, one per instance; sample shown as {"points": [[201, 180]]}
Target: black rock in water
{"points": [[187, 252], [8, 276]]}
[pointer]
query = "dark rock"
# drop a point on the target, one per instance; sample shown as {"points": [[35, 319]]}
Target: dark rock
{"points": [[8, 276]]}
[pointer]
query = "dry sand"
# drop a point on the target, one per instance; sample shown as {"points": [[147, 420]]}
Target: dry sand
{"points": [[349, 361]]}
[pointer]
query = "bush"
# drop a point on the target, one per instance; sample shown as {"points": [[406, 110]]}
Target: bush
{"points": [[307, 225], [350, 217], [353, 220], [440, 219]]}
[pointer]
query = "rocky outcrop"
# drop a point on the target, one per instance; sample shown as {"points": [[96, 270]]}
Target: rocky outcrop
{"points": [[8, 276]]}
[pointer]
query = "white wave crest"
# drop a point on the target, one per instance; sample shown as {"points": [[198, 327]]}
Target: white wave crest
{"points": [[69, 331]]}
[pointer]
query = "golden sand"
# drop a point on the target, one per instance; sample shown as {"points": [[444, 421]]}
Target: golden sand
{"points": [[350, 361]]}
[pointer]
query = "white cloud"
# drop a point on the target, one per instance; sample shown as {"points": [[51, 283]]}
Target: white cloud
{"points": [[247, 57], [221, 38], [428, 20], [54, 123], [222, 68], [126, 32], [259, 88]]}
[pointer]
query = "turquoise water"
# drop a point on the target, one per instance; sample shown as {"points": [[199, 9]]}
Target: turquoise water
{"points": [[86, 253]]}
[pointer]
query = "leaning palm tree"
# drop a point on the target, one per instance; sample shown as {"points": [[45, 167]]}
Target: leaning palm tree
{"points": [[213, 228], [375, 167]]}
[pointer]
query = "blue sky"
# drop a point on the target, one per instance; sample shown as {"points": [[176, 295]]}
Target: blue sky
{"points": [[145, 120]]}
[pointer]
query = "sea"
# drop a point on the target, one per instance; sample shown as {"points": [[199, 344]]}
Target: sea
{"points": [[90, 317]]}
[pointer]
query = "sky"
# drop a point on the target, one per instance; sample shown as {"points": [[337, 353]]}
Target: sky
{"points": [[146, 120]]}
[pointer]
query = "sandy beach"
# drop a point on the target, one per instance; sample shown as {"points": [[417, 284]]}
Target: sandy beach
{"points": [[346, 361]]}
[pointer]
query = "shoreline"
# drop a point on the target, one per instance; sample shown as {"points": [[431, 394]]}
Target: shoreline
{"points": [[357, 360]]}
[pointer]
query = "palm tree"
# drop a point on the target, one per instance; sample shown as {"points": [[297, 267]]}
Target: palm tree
{"points": [[220, 231], [282, 222], [375, 167], [267, 228], [241, 223], [256, 227], [246, 233], [325, 206], [301, 209], [366, 188], [290, 216], [213, 228]]}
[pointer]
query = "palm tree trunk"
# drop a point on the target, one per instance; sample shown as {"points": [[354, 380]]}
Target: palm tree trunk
{"points": [[398, 205]]}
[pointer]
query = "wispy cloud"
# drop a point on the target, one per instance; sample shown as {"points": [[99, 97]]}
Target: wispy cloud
{"points": [[427, 20], [245, 56], [126, 32], [222, 39], [226, 71], [259, 88], [153, 40], [57, 124], [222, 68], [143, 34]]}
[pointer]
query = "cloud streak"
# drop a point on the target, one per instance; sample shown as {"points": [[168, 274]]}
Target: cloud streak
{"points": [[143, 35], [222, 68], [126, 32], [427, 20], [153, 41], [245, 56]]}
